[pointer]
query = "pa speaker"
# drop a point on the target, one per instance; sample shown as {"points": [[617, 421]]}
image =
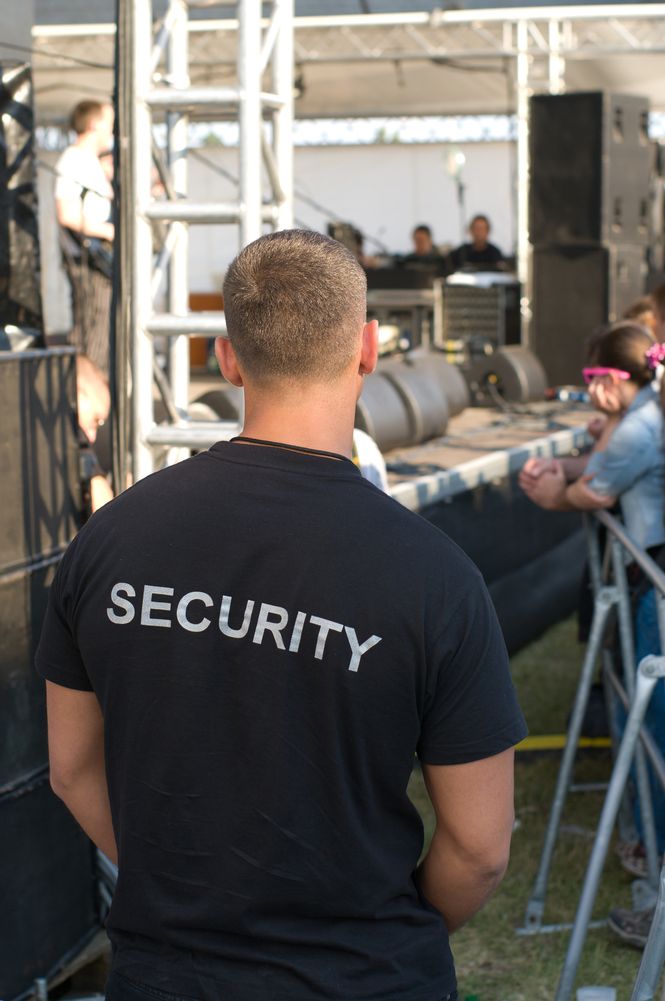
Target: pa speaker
{"points": [[47, 875], [40, 496], [577, 289], [590, 162], [20, 296]]}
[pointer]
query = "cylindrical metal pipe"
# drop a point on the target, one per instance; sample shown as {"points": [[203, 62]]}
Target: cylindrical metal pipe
{"points": [[142, 409], [186, 98], [625, 617], [249, 55], [177, 126], [199, 324], [194, 212], [282, 84], [651, 668], [605, 600], [523, 169]]}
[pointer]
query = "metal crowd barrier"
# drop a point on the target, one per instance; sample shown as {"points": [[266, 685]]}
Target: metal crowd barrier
{"points": [[612, 610]]}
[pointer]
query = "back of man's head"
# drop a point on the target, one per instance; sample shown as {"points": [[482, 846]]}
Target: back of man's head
{"points": [[84, 115], [295, 303]]}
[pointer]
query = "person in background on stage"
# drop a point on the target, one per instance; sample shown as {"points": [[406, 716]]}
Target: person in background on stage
{"points": [[479, 254], [425, 255], [627, 465], [83, 200], [365, 260]]}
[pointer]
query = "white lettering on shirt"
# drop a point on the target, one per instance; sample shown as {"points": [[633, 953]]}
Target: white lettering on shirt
{"points": [[271, 619], [325, 626], [224, 613], [149, 605], [357, 650], [120, 602], [275, 627], [296, 635], [181, 614]]}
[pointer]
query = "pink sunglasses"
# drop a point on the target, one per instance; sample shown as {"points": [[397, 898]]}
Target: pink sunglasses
{"points": [[589, 374]]}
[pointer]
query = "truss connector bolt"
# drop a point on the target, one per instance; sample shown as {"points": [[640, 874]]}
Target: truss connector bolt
{"points": [[533, 917], [606, 596], [652, 666]]}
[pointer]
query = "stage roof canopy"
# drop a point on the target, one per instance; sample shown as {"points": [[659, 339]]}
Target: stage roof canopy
{"points": [[357, 58]]}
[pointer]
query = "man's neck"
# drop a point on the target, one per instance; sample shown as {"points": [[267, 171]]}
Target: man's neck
{"points": [[88, 142], [308, 422]]}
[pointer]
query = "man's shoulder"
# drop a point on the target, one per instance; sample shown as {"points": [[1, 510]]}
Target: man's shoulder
{"points": [[71, 157], [413, 538]]}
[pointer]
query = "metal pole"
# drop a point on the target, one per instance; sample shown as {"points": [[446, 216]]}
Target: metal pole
{"points": [[142, 460], [591, 528], [177, 124], [628, 657], [523, 168], [556, 64], [653, 956], [651, 668], [603, 605], [282, 84], [249, 56]]}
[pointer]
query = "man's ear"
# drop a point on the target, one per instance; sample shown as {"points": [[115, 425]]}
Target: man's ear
{"points": [[227, 361], [370, 347]]}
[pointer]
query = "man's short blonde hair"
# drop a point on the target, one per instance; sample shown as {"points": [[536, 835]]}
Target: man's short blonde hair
{"points": [[295, 302]]}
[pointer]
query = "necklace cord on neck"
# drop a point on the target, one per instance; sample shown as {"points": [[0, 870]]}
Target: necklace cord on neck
{"points": [[291, 448]]}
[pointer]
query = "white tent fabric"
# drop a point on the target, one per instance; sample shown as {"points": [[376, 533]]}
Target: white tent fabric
{"points": [[408, 63]]}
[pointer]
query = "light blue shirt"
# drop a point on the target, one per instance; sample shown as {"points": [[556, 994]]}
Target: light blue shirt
{"points": [[632, 468]]}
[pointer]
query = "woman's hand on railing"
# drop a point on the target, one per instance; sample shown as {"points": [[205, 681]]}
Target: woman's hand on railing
{"points": [[544, 482]]}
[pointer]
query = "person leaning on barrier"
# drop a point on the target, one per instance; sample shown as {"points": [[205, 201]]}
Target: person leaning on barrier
{"points": [[628, 465], [244, 652]]}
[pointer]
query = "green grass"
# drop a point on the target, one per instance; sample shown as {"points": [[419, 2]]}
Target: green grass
{"points": [[493, 962]]}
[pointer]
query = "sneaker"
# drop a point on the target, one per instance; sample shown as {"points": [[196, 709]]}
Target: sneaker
{"points": [[632, 858], [632, 927]]}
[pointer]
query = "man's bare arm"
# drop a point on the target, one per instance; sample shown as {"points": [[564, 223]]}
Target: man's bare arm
{"points": [[70, 215], [468, 856], [76, 754]]}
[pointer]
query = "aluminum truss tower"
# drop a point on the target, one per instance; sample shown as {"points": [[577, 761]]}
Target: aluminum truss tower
{"points": [[158, 78]]}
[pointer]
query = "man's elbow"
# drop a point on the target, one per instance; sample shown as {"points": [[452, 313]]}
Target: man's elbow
{"points": [[490, 858], [492, 865], [65, 779]]}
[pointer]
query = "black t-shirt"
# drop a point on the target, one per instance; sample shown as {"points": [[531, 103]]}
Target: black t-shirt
{"points": [[433, 261], [468, 255], [271, 639]]}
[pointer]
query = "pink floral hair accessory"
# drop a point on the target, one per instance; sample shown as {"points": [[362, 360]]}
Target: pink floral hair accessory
{"points": [[655, 355]]}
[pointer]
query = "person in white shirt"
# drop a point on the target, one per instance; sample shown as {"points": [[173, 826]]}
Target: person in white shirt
{"points": [[84, 198]]}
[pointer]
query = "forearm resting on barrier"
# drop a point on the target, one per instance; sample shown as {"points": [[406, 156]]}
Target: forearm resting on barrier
{"points": [[470, 848]]}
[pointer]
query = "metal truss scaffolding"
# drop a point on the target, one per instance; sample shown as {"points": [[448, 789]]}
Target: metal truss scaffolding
{"points": [[163, 96]]}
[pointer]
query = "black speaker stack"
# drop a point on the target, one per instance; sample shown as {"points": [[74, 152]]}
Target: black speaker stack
{"points": [[588, 219], [47, 874]]}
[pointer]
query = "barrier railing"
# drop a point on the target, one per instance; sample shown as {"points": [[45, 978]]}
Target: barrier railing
{"points": [[612, 609]]}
